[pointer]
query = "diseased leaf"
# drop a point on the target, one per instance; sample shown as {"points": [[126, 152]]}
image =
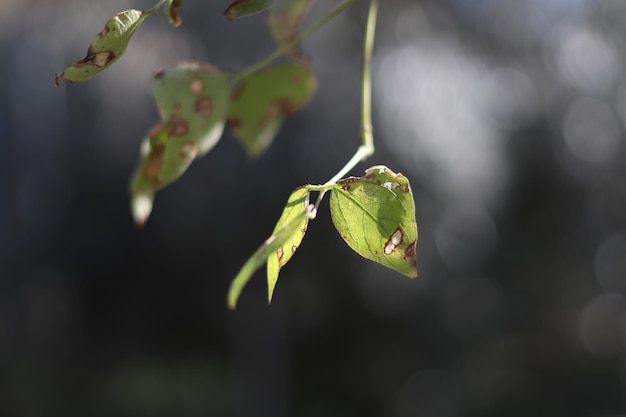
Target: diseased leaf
{"points": [[278, 239], [192, 98], [245, 8], [172, 12], [375, 215], [284, 22], [107, 47], [261, 101], [296, 205]]}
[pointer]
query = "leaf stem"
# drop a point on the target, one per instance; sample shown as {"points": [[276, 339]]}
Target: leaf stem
{"points": [[366, 83], [367, 145], [306, 32], [157, 7]]}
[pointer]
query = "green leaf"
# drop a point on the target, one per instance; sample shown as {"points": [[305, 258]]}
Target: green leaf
{"points": [[297, 204], [245, 8], [261, 101], [287, 232], [193, 99], [375, 215], [172, 12], [284, 22], [107, 47]]}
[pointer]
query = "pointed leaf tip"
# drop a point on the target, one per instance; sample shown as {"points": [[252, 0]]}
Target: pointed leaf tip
{"points": [[141, 206]]}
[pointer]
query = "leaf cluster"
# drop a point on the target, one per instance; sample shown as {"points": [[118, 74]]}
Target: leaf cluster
{"points": [[374, 214]]}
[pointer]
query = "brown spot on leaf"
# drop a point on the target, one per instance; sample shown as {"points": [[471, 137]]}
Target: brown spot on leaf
{"points": [[155, 161], [104, 32], [348, 180], [99, 59], [177, 126], [280, 253], [196, 86], [203, 107], [346, 188], [410, 254], [234, 123]]}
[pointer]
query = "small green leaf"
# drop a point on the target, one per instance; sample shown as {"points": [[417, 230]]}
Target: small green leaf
{"points": [[297, 204], [245, 8], [193, 99], [261, 101], [107, 47], [172, 12], [375, 215], [286, 233], [284, 22]]}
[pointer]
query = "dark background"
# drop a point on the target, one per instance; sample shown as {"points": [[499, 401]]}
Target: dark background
{"points": [[508, 118]]}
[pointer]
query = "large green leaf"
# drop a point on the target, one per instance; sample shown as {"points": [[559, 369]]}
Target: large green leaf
{"points": [[288, 232], [375, 215], [193, 99], [261, 101], [296, 205], [245, 8], [284, 22], [107, 47]]}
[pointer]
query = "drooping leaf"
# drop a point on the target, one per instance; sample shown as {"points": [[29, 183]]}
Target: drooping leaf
{"points": [[245, 8], [375, 215], [296, 205], [261, 101], [172, 11], [107, 47], [285, 20], [193, 99], [278, 239]]}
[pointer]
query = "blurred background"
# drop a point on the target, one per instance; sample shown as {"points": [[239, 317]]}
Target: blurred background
{"points": [[507, 116]]}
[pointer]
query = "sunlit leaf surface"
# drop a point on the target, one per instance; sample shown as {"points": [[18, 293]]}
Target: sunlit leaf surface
{"points": [[261, 101], [193, 102], [107, 47], [245, 8], [296, 205], [375, 215]]}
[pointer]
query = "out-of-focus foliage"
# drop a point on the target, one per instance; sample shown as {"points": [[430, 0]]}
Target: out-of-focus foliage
{"points": [[486, 105]]}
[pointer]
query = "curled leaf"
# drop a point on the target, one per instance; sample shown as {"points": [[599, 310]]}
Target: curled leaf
{"points": [[296, 205], [375, 215], [172, 12], [245, 8], [261, 101], [288, 231], [107, 47], [192, 98]]}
